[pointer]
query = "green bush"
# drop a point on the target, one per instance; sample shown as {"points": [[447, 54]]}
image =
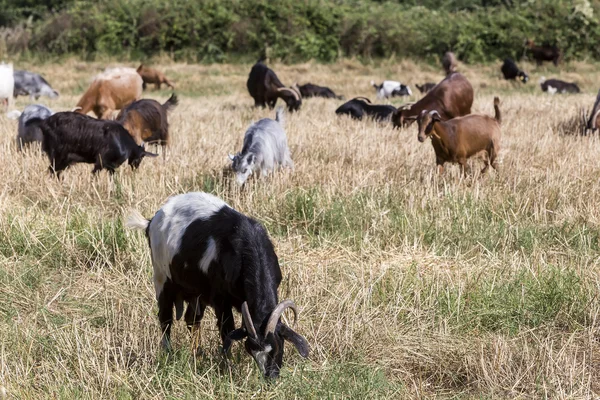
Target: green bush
{"points": [[216, 31]]}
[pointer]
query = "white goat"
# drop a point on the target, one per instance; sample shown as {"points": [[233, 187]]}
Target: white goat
{"points": [[265, 148], [7, 85]]}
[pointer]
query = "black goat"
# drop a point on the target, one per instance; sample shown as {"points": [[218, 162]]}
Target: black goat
{"points": [[265, 88], [512, 72], [70, 138], [310, 90], [358, 107], [207, 254]]}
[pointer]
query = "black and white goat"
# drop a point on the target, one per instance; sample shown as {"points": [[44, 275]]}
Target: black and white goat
{"points": [[29, 124], [552, 86], [70, 138], [512, 72], [360, 107], [391, 89], [265, 148], [205, 253]]}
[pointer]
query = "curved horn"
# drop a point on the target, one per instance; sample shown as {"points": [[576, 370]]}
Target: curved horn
{"points": [[247, 319], [594, 119], [76, 109], [406, 106], [297, 90], [281, 307], [434, 112], [289, 90]]}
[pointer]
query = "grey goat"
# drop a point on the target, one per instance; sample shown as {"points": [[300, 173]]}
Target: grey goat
{"points": [[265, 148], [29, 123], [32, 85]]}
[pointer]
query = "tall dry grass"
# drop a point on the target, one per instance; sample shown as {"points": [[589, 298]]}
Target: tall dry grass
{"points": [[411, 284]]}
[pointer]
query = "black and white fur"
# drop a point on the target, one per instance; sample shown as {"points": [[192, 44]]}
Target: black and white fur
{"points": [[510, 71], [32, 85], [552, 86], [70, 138], [360, 107], [391, 89], [205, 253]]}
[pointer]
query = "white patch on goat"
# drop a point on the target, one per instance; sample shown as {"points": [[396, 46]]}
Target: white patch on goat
{"points": [[210, 255], [170, 223], [551, 90], [261, 358]]}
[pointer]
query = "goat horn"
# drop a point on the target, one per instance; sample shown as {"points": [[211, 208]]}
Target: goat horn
{"points": [[76, 108], [289, 90], [281, 307], [247, 319], [594, 119]]}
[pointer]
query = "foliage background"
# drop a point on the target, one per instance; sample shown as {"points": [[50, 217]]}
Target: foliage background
{"points": [[294, 31]]}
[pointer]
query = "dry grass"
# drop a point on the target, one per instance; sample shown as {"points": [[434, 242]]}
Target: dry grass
{"points": [[411, 284]]}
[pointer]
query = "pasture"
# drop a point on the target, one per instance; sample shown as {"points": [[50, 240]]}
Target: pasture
{"points": [[411, 285]]}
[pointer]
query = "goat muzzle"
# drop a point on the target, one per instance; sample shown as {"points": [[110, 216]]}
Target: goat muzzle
{"points": [[276, 314]]}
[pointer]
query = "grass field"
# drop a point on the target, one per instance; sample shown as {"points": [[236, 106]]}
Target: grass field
{"points": [[411, 285]]}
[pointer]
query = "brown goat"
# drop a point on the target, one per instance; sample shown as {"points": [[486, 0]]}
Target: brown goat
{"points": [[452, 97], [146, 120], [543, 53], [594, 120], [449, 62], [109, 91], [151, 75], [460, 138]]}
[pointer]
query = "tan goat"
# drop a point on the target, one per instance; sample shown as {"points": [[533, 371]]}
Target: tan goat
{"points": [[460, 138], [110, 91]]}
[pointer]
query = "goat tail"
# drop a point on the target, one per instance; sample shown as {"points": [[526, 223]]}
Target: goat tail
{"points": [[497, 114], [171, 103], [135, 220], [280, 116]]}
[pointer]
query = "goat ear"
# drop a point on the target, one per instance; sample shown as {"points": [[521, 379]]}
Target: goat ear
{"points": [[298, 341], [235, 335]]}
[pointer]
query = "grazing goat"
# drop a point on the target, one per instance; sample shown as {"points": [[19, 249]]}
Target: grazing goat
{"points": [[32, 85], [391, 89], [265, 148], [460, 138], [146, 120], [449, 62], [112, 90], [452, 97], [594, 120], [7, 84], [151, 75], [358, 107], [265, 88], [543, 53], [552, 86], [426, 87], [512, 72], [310, 90], [70, 137], [29, 124], [209, 255]]}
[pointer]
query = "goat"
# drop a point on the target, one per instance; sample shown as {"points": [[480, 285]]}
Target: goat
{"points": [[208, 254], [426, 87], [265, 147], [543, 53], [265, 88], [310, 90], [112, 90], [512, 72], [29, 124], [449, 63], [452, 97], [552, 86], [391, 89], [32, 85], [458, 139], [151, 75], [146, 120], [7, 84], [594, 120], [70, 137], [358, 107]]}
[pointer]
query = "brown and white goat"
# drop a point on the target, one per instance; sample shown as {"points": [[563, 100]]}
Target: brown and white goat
{"points": [[110, 91], [146, 120], [151, 75], [460, 138]]}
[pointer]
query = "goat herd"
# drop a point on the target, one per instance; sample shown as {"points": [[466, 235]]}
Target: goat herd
{"points": [[205, 253]]}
